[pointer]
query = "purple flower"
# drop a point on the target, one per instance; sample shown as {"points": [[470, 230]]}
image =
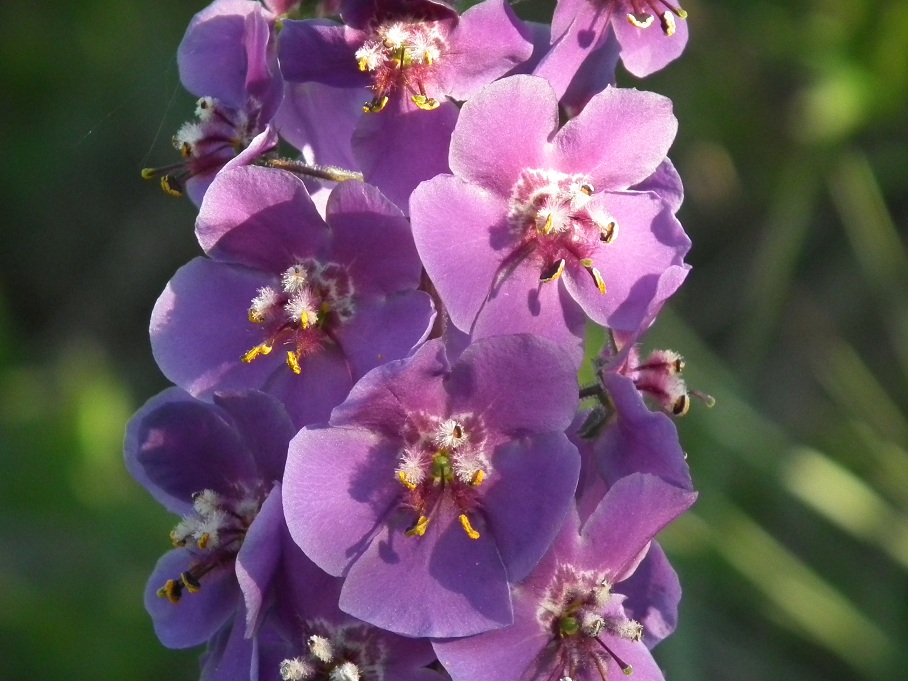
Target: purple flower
{"points": [[218, 466], [228, 58], [574, 616], [536, 245], [439, 482], [650, 34], [286, 302], [412, 54]]}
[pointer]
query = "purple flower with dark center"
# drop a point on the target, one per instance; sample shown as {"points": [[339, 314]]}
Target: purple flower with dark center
{"points": [[286, 302], [228, 58], [413, 55], [439, 482], [537, 245], [650, 34], [218, 466], [574, 616]]}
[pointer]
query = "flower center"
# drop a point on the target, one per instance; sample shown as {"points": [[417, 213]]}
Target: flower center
{"points": [[555, 219], [214, 532], [443, 457], [313, 298], [346, 652], [642, 14], [219, 134], [400, 56], [578, 609]]}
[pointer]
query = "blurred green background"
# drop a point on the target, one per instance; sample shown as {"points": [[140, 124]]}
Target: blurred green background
{"points": [[794, 150]]}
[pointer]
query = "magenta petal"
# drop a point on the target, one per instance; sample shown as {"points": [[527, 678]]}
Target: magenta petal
{"points": [[372, 238], [650, 240], [258, 557], [384, 397], [262, 422], [645, 504], [647, 50], [303, 112], [504, 129], [229, 656], [640, 440], [401, 146], [198, 616], [212, 54], [666, 183], [338, 486], [641, 128], [177, 447], [523, 304], [442, 584], [259, 217], [503, 654], [335, 46], [653, 593], [322, 384], [456, 252], [516, 383], [200, 329], [386, 329], [135, 440], [485, 45], [528, 496]]}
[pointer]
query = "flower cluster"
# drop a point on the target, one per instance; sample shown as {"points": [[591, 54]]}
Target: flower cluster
{"points": [[382, 461]]}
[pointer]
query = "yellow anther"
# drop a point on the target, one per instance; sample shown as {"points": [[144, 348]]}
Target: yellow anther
{"points": [[419, 529], [608, 232], [308, 319], [202, 543], [149, 173], [363, 64], [191, 583], [171, 186], [427, 58], [597, 277], [405, 480], [262, 349], [586, 188], [668, 24], [172, 590], [255, 317], [640, 21], [465, 523], [557, 273], [293, 361], [375, 105], [425, 103], [549, 223], [176, 542], [186, 149], [477, 478]]}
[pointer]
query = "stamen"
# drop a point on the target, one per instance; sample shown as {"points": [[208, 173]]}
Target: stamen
{"points": [[419, 529], [597, 277], [190, 582], [641, 20], [625, 667], [261, 349], [667, 19], [293, 361], [465, 523], [477, 478], [405, 479], [423, 102], [172, 591], [552, 275], [321, 648], [375, 105]]}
